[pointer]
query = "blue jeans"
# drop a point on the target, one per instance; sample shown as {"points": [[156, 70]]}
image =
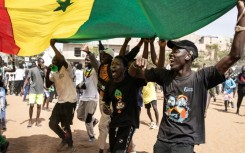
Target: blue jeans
{"points": [[3, 106], [26, 92]]}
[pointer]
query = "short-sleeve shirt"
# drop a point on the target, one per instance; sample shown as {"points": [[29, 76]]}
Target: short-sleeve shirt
{"points": [[36, 76], [79, 76], [19, 74], [149, 93], [184, 103], [91, 80], [64, 85], [123, 96]]}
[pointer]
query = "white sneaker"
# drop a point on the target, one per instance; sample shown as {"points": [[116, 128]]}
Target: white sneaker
{"points": [[154, 127], [152, 124]]}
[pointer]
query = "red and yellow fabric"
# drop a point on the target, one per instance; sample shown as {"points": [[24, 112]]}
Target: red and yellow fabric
{"points": [[30, 24]]}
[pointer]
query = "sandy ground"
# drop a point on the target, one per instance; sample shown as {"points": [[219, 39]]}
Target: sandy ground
{"points": [[224, 131]]}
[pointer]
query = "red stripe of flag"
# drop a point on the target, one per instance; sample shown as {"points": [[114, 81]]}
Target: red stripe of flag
{"points": [[7, 43]]}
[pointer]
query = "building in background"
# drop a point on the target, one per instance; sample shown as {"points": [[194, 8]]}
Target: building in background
{"points": [[73, 53]]}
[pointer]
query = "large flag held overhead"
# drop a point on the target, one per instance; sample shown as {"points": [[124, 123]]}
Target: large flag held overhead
{"points": [[26, 26]]}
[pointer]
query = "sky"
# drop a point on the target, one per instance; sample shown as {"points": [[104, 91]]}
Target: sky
{"points": [[223, 26]]}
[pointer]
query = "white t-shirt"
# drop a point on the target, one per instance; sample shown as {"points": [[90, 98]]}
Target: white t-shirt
{"points": [[64, 85], [91, 92], [79, 76], [19, 74]]}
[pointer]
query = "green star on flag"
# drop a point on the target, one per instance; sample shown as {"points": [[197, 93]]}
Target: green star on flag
{"points": [[63, 5]]}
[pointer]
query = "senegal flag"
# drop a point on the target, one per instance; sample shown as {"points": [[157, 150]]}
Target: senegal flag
{"points": [[26, 26]]}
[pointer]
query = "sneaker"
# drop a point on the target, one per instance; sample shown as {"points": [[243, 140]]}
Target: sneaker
{"points": [[71, 150], [91, 139], [61, 146], [29, 124], [152, 124], [154, 127]]}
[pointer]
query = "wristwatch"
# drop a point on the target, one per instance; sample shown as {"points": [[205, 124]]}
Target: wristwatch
{"points": [[239, 28]]}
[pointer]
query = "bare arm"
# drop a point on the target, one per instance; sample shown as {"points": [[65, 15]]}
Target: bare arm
{"points": [[133, 53], [48, 82], [237, 46], [145, 51], [124, 47], [58, 55], [161, 60], [154, 58], [24, 85], [94, 62]]}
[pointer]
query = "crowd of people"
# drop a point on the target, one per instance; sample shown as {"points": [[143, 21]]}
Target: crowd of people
{"points": [[120, 86]]}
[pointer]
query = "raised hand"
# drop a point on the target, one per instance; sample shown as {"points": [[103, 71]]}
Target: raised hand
{"points": [[52, 42], [127, 39], [140, 63], [162, 43], [85, 49]]}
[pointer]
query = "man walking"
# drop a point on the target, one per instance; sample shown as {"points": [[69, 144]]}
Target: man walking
{"points": [[35, 77], [89, 99]]}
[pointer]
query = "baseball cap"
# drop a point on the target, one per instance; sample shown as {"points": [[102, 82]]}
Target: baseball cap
{"points": [[109, 51], [185, 44]]}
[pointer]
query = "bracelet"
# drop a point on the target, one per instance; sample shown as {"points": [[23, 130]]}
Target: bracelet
{"points": [[239, 28]]}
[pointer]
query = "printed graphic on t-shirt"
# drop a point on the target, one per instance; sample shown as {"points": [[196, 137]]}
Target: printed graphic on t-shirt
{"points": [[120, 104], [177, 108]]}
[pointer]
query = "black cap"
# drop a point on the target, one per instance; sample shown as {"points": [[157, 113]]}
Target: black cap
{"points": [[185, 44]]}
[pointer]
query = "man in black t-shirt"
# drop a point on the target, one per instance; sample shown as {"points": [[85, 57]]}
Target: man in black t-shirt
{"points": [[185, 91], [121, 91]]}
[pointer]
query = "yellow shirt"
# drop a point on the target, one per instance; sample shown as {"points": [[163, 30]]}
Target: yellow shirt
{"points": [[149, 93]]}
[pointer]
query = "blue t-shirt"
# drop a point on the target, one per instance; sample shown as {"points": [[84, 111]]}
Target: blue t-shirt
{"points": [[229, 85]]}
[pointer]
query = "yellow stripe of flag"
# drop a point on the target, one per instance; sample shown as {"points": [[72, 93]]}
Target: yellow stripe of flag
{"points": [[36, 22]]}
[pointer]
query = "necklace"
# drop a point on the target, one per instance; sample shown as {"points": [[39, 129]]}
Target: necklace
{"points": [[88, 72]]}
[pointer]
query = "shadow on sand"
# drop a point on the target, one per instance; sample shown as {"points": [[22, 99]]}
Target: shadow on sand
{"points": [[48, 144]]}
